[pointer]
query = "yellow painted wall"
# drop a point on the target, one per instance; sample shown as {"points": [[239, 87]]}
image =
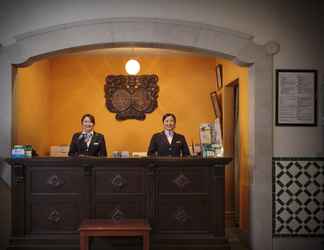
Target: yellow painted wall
{"points": [[53, 94], [244, 152], [31, 106], [78, 87], [232, 72]]}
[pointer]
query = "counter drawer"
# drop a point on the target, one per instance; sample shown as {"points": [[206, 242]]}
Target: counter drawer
{"points": [[109, 181], [186, 180], [55, 180], [54, 214], [120, 207], [179, 213]]}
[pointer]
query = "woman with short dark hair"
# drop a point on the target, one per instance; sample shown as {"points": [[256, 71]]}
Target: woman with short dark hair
{"points": [[88, 142], [167, 142]]}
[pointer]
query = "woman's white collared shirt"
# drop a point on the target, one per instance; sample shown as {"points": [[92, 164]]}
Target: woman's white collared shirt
{"points": [[169, 135]]}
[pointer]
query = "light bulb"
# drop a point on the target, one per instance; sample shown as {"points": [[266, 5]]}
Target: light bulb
{"points": [[132, 67]]}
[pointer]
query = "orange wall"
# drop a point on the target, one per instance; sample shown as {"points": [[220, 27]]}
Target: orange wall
{"points": [[52, 95], [61, 89], [232, 72], [77, 87], [31, 106], [244, 153]]}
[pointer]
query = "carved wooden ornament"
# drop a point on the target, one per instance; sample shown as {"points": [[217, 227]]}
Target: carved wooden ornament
{"points": [[130, 97]]}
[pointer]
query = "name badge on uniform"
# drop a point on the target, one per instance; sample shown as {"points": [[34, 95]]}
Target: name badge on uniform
{"points": [[179, 142], [96, 143]]}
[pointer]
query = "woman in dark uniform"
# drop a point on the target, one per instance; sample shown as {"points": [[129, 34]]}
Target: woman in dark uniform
{"points": [[167, 142], [88, 142]]}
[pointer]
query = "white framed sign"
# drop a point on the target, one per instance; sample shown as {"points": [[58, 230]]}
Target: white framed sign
{"points": [[296, 97]]}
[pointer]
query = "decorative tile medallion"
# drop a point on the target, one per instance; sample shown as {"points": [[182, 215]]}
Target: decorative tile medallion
{"points": [[298, 197]]}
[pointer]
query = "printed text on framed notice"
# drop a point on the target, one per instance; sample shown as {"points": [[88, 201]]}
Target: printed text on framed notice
{"points": [[296, 102]]}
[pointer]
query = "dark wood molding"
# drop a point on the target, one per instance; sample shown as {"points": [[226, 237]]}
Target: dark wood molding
{"points": [[183, 200]]}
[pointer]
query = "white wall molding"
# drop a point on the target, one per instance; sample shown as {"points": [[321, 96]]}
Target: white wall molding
{"points": [[109, 32], [172, 34]]}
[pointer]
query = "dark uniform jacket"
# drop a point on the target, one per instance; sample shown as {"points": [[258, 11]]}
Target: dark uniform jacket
{"points": [[160, 146], [97, 146]]}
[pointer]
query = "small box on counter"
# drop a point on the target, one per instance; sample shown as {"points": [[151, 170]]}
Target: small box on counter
{"points": [[59, 151], [139, 154], [120, 154], [211, 139], [205, 133], [22, 151]]}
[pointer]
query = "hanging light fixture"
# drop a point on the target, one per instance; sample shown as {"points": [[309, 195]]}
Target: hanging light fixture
{"points": [[132, 67]]}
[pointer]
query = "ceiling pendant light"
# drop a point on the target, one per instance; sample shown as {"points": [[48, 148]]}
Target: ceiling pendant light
{"points": [[132, 67]]}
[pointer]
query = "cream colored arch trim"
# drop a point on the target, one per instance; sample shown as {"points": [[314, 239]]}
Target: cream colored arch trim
{"points": [[150, 32]]}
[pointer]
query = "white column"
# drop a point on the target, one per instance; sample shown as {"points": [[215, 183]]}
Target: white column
{"points": [[5, 104]]}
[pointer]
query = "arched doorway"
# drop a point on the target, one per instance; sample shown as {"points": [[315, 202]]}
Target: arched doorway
{"points": [[235, 46]]}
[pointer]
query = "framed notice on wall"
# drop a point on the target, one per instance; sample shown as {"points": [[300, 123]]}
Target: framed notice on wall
{"points": [[296, 102]]}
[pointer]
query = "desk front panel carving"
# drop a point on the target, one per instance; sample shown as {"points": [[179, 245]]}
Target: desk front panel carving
{"points": [[183, 199], [54, 199]]}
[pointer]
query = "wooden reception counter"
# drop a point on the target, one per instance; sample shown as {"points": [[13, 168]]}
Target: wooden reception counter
{"points": [[182, 198]]}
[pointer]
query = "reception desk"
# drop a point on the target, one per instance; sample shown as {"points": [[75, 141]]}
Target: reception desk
{"points": [[182, 198]]}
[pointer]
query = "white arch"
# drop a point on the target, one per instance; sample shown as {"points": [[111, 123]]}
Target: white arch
{"points": [[150, 32]]}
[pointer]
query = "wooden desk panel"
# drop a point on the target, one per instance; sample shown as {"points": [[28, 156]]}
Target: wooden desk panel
{"points": [[183, 199], [111, 228]]}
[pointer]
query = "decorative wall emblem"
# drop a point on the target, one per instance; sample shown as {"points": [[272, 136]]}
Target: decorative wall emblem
{"points": [[181, 181], [130, 97], [181, 215], [118, 181], [54, 216], [298, 197], [55, 181]]}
